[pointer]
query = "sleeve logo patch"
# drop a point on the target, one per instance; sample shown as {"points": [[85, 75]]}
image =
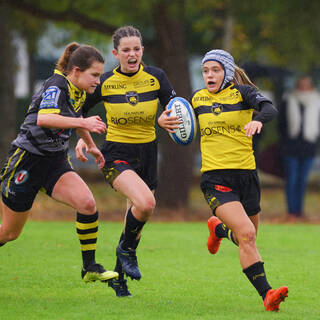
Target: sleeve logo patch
{"points": [[50, 98]]}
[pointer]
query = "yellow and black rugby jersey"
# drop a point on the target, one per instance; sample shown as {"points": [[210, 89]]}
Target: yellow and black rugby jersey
{"points": [[59, 96], [222, 117], [131, 103]]}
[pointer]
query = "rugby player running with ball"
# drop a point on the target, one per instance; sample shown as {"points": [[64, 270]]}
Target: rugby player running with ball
{"points": [[230, 111], [130, 94]]}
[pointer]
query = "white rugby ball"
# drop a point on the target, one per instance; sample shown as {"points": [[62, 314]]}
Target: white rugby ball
{"points": [[187, 130]]}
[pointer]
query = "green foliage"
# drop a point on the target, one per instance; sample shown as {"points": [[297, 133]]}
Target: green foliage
{"points": [[204, 21], [283, 32], [40, 275]]}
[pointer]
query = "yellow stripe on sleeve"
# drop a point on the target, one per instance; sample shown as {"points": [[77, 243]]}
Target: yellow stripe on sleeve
{"points": [[48, 111]]}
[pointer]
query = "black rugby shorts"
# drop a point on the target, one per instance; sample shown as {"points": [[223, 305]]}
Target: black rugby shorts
{"points": [[141, 158], [222, 186], [25, 173]]}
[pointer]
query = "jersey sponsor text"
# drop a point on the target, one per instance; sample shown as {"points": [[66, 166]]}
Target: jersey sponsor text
{"points": [[133, 120]]}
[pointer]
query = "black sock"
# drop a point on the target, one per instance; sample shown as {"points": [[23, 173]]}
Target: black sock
{"points": [[118, 267], [222, 231], [257, 277], [136, 243], [87, 230], [131, 231]]}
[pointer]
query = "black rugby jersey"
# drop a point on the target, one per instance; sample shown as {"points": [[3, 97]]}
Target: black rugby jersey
{"points": [[59, 96], [131, 103], [222, 117]]}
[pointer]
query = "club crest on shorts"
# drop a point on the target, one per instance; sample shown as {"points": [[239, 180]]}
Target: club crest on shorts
{"points": [[21, 177], [217, 108], [132, 97]]}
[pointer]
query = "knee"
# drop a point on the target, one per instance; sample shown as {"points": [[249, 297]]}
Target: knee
{"points": [[146, 207], [87, 205], [247, 237]]}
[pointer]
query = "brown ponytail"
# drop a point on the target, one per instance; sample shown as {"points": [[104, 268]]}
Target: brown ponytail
{"points": [[76, 55], [240, 77], [63, 61]]}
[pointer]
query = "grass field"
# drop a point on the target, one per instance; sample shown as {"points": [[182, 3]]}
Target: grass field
{"points": [[40, 275]]}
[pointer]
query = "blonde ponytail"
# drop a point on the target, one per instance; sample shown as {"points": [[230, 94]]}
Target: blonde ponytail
{"points": [[240, 77]]}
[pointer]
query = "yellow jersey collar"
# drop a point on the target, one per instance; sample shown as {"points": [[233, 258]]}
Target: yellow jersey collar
{"points": [[221, 92], [70, 84]]}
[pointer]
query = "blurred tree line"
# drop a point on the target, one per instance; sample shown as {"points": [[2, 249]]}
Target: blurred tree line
{"points": [[283, 33]]}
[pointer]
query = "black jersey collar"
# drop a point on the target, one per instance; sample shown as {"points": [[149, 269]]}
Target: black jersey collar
{"points": [[117, 70]]}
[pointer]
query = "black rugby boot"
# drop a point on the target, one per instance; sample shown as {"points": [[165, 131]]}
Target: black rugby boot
{"points": [[129, 262]]}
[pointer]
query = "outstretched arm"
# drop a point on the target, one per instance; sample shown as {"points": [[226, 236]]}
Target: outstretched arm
{"points": [[92, 124]]}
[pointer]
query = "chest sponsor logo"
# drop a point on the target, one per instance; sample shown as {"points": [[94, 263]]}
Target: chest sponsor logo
{"points": [[217, 108], [221, 130], [134, 120], [231, 96], [144, 83], [21, 177], [115, 86], [132, 97], [202, 99]]}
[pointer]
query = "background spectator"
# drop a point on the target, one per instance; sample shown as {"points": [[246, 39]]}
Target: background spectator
{"points": [[299, 126]]}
